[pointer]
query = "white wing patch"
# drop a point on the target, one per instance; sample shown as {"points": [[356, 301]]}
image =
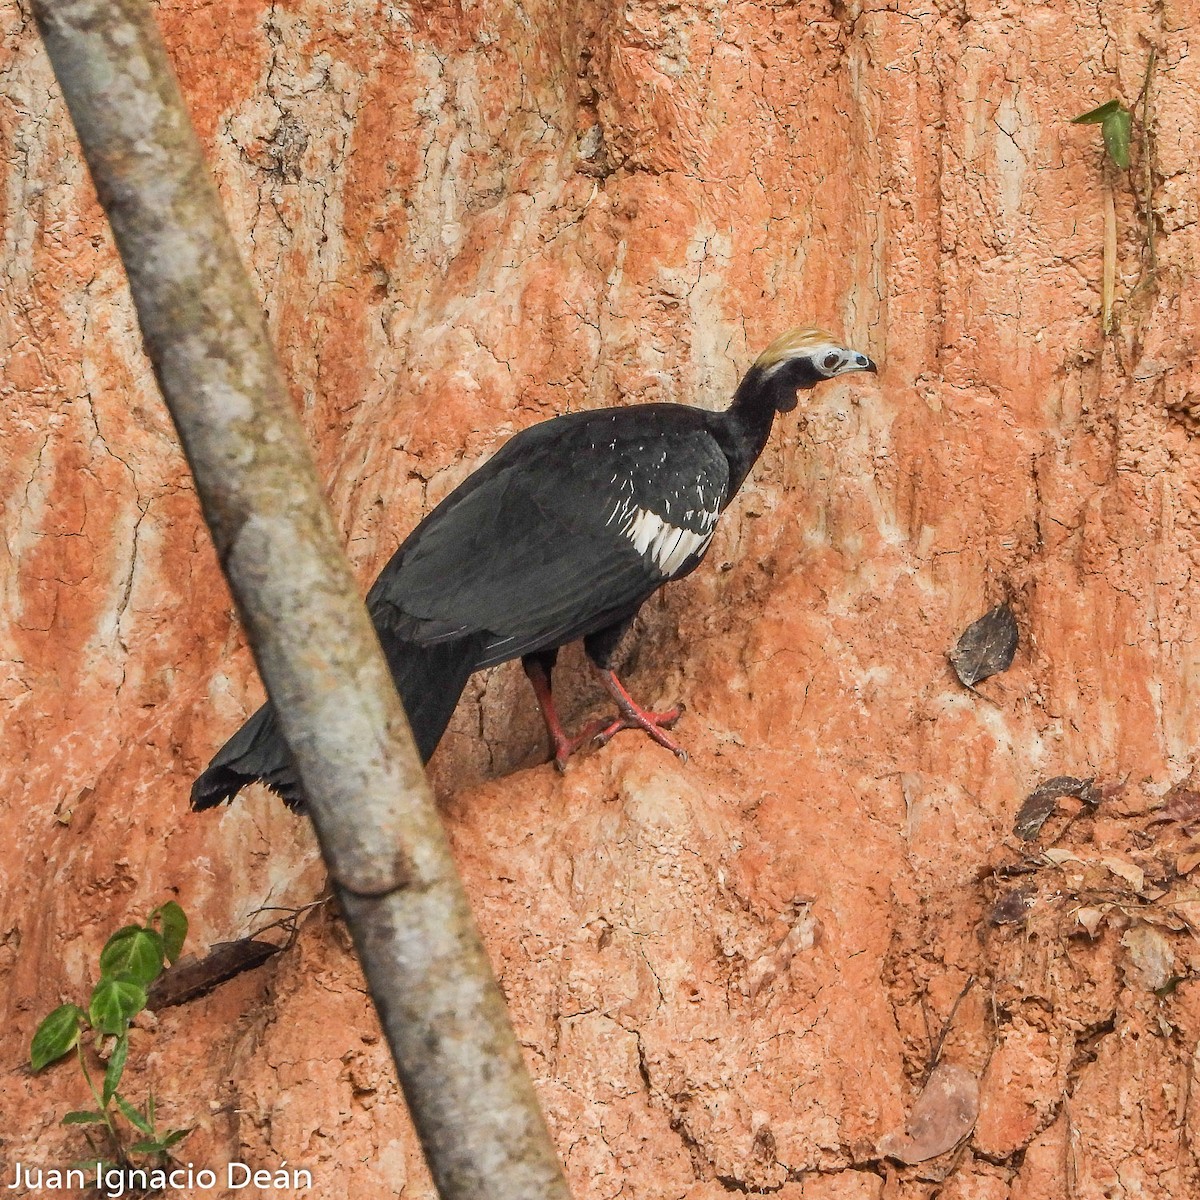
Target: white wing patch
{"points": [[666, 545]]}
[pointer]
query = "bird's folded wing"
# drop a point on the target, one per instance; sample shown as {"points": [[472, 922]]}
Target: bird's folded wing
{"points": [[549, 538]]}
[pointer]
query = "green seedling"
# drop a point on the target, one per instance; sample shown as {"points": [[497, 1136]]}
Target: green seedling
{"points": [[129, 963], [1116, 126]]}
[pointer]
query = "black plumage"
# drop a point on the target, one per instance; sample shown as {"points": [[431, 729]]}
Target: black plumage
{"points": [[562, 535]]}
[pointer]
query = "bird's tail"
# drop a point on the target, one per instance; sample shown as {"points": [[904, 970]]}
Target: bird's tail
{"points": [[430, 680]]}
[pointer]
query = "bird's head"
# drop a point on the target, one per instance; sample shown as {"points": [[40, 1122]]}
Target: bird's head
{"points": [[800, 359]]}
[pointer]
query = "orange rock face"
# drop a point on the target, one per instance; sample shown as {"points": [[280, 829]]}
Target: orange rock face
{"points": [[734, 975]]}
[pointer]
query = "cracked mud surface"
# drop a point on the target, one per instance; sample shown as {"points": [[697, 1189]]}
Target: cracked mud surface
{"points": [[731, 976]]}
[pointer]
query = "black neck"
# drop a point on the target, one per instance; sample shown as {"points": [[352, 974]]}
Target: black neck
{"points": [[745, 425]]}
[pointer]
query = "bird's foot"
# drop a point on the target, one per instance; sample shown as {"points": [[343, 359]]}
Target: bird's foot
{"points": [[634, 716], [601, 732], [653, 724]]}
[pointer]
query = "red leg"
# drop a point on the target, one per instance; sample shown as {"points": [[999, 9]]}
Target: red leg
{"points": [[633, 716], [564, 746], [601, 732]]}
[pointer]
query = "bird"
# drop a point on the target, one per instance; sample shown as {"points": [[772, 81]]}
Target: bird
{"points": [[562, 535]]}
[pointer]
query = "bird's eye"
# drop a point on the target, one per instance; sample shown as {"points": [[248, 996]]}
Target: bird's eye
{"points": [[830, 361]]}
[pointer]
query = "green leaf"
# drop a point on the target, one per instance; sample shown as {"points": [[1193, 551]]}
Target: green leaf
{"points": [[57, 1034], [133, 952], [1096, 116], [174, 927], [175, 1136], [116, 1066], [147, 1147], [134, 1117], [1116, 130], [115, 1002], [80, 1117]]}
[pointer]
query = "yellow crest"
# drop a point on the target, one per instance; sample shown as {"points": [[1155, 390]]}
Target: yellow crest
{"points": [[791, 343]]}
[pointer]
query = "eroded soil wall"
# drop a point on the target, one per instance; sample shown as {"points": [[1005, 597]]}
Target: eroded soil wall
{"points": [[734, 975]]}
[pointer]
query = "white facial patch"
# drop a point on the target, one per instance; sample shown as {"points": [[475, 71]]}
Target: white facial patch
{"points": [[817, 351], [667, 546]]}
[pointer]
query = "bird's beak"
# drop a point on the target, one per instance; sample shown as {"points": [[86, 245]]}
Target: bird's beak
{"points": [[860, 362]]}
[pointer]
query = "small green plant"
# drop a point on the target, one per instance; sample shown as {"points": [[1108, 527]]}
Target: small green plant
{"points": [[1116, 125], [130, 961], [1117, 129]]}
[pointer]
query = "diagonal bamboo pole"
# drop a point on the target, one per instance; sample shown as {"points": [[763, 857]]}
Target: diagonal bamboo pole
{"points": [[443, 1014]]}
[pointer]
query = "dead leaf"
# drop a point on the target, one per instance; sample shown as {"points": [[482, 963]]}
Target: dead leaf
{"points": [[1189, 910], [986, 647], [1013, 905], [1188, 860], [1091, 919], [944, 1113], [1150, 953], [1181, 807], [1043, 800], [1153, 915], [1058, 856], [191, 977], [1126, 870]]}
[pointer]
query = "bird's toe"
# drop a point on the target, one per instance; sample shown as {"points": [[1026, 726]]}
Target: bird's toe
{"points": [[653, 724]]}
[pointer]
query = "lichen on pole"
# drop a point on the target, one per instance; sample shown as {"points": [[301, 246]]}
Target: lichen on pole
{"points": [[462, 1073]]}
